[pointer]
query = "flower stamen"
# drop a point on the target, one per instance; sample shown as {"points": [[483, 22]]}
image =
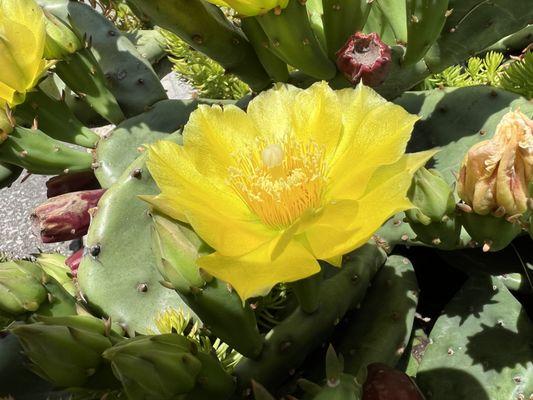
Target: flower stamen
{"points": [[280, 181]]}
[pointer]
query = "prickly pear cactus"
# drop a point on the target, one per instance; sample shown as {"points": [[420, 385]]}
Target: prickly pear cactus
{"points": [[462, 360], [117, 274]]}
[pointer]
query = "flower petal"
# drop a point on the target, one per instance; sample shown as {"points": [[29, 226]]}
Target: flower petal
{"points": [[22, 37], [309, 115], [214, 134], [375, 134], [255, 274], [385, 196], [215, 212]]}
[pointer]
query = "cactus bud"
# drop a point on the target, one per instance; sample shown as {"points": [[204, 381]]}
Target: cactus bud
{"points": [[386, 383], [155, 367], [66, 217], [433, 219], [176, 248], [54, 266], [71, 182], [66, 351], [60, 39], [431, 195], [364, 58], [494, 179], [21, 289], [495, 174]]}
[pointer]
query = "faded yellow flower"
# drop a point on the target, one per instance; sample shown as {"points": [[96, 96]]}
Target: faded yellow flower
{"points": [[22, 38], [496, 173], [302, 175]]}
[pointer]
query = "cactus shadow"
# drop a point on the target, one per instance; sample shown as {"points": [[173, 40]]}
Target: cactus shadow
{"points": [[450, 115], [450, 384], [480, 346]]}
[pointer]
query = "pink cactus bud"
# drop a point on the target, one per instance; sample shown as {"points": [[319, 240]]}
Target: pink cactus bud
{"points": [[366, 58], [73, 262], [71, 182], [386, 383], [66, 217], [496, 173]]}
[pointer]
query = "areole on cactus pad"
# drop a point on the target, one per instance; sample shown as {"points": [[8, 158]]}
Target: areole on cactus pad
{"points": [[280, 181]]}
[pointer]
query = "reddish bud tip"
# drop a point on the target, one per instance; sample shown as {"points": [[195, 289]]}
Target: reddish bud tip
{"points": [[73, 262], [66, 217], [366, 58], [68, 183]]}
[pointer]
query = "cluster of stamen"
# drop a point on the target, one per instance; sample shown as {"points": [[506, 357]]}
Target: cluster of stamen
{"points": [[280, 181]]}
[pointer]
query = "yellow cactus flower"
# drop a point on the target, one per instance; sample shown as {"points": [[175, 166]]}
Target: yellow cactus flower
{"points": [[495, 173], [22, 38], [250, 8], [302, 175]]}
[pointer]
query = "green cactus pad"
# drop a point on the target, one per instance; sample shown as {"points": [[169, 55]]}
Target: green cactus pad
{"points": [[40, 154], [9, 173], [381, 328], [480, 348], [123, 145], [288, 344], [130, 76], [204, 27], [118, 275], [473, 26]]}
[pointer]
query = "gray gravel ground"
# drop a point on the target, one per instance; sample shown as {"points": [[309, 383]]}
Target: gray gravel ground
{"points": [[18, 201]]}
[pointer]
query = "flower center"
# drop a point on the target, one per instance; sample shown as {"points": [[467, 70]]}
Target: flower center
{"points": [[280, 181]]}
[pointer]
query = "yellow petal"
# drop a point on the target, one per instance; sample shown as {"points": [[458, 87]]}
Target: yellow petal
{"points": [[255, 274], [312, 115], [385, 196], [213, 210], [375, 133], [22, 37], [214, 134], [271, 111]]}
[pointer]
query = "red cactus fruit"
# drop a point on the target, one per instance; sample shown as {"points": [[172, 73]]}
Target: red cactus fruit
{"points": [[71, 182], [386, 383], [366, 58]]}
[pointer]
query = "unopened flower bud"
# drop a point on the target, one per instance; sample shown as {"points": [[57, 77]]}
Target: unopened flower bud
{"points": [[66, 217], [60, 39], [176, 249], [496, 173], [71, 182], [364, 58], [168, 366], [21, 289], [66, 351]]}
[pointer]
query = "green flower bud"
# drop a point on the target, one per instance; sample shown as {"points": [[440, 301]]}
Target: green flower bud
{"points": [[21, 288], [176, 248], [431, 195], [60, 39], [54, 265], [433, 220], [155, 367], [66, 351]]}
